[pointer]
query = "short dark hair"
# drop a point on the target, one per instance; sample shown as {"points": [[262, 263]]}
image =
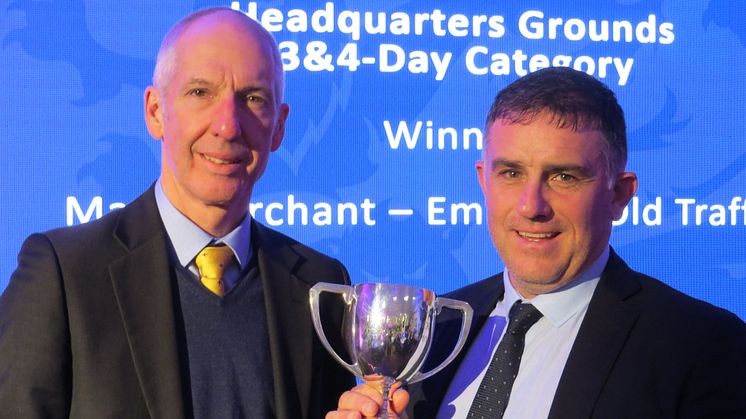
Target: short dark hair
{"points": [[574, 99]]}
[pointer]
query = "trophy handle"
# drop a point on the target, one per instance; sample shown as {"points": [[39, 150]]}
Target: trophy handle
{"points": [[313, 299], [467, 314]]}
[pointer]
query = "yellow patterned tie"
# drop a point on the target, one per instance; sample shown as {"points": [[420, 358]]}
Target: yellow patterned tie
{"points": [[212, 262]]}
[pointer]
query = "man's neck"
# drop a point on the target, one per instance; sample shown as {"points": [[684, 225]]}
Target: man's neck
{"points": [[215, 219]]}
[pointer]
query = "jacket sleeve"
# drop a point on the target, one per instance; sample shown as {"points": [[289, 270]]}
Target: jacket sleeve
{"points": [[331, 378], [35, 356]]}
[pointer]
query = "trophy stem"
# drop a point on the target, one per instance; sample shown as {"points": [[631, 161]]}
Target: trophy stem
{"points": [[384, 412]]}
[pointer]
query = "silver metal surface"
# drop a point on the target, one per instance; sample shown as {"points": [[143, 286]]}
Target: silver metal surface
{"points": [[388, 328]]}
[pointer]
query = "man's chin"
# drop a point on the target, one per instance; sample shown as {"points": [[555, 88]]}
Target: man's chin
{"points": [[221, 202], [534, 281], [227, 196]]}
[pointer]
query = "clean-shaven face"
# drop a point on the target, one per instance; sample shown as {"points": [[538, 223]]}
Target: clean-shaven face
{"points": [[549, 206], [217, 116]]}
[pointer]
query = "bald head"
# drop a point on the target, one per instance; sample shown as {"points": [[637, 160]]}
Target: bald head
{"points": [[168, 54]]}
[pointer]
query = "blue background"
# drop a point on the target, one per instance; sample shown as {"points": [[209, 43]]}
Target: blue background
{"points": [[72, 75]]}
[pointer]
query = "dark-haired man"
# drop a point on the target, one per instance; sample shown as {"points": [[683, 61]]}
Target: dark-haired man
{"points": [[569, 330], [178, 305]]}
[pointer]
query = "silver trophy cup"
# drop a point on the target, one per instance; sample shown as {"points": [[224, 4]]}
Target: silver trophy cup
{"points": [[388, 330]]}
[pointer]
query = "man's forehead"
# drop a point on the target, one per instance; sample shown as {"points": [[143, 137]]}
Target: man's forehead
{"points": [[542, 141], [210, 53], [224, 30]]}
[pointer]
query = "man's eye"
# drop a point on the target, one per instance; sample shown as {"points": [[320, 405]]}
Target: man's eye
{"points": [[255, 99], [565, 178], [510, 174], [199, 92]]}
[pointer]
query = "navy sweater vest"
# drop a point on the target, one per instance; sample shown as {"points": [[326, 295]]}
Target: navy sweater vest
{"points": [[225, 348]]}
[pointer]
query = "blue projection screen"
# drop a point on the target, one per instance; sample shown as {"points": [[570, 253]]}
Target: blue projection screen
{"points": [[387, 105]]}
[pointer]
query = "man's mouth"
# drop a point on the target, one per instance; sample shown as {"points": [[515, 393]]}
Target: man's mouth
{"points": [[216, 160], [537, 236]]}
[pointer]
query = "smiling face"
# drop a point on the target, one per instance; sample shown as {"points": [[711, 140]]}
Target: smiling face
{"points": [[218, 118], [549, 205]]}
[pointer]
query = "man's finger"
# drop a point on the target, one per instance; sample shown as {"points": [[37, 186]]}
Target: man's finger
{"points": [[357, 400], [399, 398]]}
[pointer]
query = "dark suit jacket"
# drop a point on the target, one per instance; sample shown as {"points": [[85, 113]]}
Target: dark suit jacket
{"points": [[644, 350], [87, 326]]}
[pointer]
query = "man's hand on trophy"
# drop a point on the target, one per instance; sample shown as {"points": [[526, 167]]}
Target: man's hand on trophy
{"points": [[365, 400]]}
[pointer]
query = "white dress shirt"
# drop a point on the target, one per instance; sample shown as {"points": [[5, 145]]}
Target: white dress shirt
{"points": [[547, 347]]}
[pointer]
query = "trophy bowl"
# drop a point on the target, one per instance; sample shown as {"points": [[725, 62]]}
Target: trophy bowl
{"points": [[388, 330]]}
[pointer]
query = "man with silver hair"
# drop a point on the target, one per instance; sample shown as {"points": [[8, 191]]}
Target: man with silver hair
{"points": [[179, 305]]}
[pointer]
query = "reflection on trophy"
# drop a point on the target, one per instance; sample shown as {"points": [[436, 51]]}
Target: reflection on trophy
{"points": [[388, 330]]}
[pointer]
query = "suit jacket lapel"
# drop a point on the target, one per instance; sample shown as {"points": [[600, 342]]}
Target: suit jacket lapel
{"points": [[143, 290], [600, 339], [288, 323]]}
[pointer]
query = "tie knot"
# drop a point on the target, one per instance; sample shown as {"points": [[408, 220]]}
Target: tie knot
{"points": [[522, 317], [212, 262]]}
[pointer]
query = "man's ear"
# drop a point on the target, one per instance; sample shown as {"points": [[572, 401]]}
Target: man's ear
{"points": [[154, 112], [279, 134], [624, 189], [480, 176]]}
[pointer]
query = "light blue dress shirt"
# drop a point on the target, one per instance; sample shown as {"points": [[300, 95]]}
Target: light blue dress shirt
{"points": [[188, 239], [547, 346]]}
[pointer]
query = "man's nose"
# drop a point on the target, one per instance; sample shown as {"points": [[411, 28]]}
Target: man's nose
{"points": [[226, 122], [533, 203]]}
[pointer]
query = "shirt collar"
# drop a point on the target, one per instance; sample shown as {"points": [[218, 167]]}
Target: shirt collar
{"points": [[188, 239], [560, 305]]}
